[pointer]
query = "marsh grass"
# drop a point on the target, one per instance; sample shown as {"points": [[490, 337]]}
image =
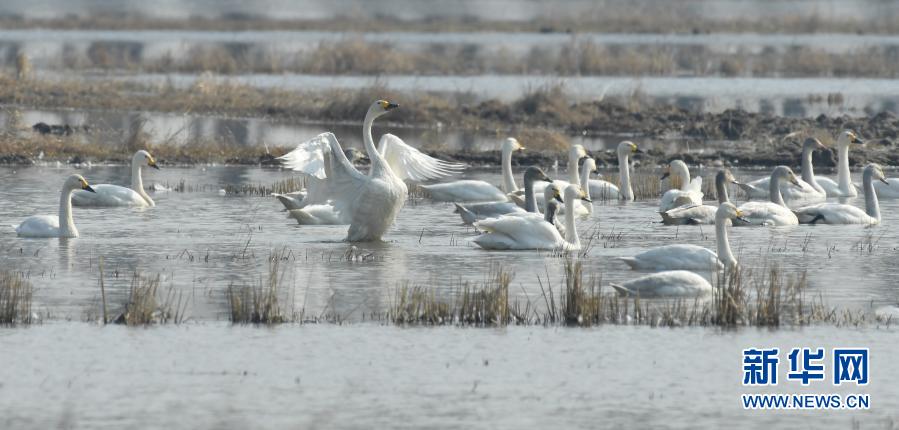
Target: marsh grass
{"points": [[148, 303], [15, 299], [261, 303]]}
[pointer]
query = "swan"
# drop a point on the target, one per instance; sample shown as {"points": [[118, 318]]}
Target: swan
{"points": [[668, 284], [605, 190], [49, 225], [317, 215], [479, 191], [844, 187], [808, 192], [108, 195], [887, 188], [692, 257], [705, 214], [294, 199], [575, 154], [835, 213], [532, 232], [581, 209], [478, 211], [773, 212], [368, 203], [685, 191]]}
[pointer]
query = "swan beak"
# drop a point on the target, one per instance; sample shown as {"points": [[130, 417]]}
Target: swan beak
{"points": [[665, 175], [885, 181], [87, 187], [391, 106], [584, 197], [558, 197], [736, 182], [855, 139], [152, 163], [794, 181]]}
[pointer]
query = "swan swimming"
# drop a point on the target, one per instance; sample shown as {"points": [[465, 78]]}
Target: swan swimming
{"points": [[668, 284], [705, 214], [49, 225], [369, 203], [835, 213], [532, 232], [692, 257], [478, 211], [808, 192], [686, 191], [575, 154], [605, 190], [295, 199], [774, 212], [842, 188], [479, 191], [108, 195]]}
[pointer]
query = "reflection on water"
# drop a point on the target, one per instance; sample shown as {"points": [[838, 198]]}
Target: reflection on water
{"points": [[202, 242]]}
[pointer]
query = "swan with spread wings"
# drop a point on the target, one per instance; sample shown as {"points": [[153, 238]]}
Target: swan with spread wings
{"points": [[368, 203]]}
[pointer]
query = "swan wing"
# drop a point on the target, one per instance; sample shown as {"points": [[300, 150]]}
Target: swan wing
{"points": [[107, 195], [767, 213], [411, 164], [833, 213], [693, 213], [675, 257], [465, 191], [757, 189], [887, 191], [39, 226], [519, 232], [308, 157], [603, 190], [675, 283]]}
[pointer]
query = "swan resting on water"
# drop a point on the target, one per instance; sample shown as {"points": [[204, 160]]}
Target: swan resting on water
{"points": [[774, 212], [61, 225], [108, 195], [478, 211], [668, 284], [686, 191], [843, 187], [809, 190], [692, 257], [532, 232], [835, 213], [605, 190], [368, 203], [704, 214], [473, 191]]}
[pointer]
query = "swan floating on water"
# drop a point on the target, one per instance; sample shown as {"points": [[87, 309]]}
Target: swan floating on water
{"points": [[809, 190], [685, 191], [605, 190], [844, 187], [478, 211], [108, 195], [49, 225], [532, 232], [835, 213], [575, 154], [479, 191], [669, 284], [369, 203], [705, 214], [774, 212], [692, 257]]}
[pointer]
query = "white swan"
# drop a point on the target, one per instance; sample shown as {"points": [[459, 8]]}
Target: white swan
{"points": [[888, 188], [107, 195], [808, 192], [295, 199], [605, 190], [531, 232], [317, 215], [774, 212], [844, 187], [478, 211], [669, 284], [370, 203], [692, 257], [835, 213], [575, 154], [479, 191], [49, 225], [705, 214], [685, 191]]}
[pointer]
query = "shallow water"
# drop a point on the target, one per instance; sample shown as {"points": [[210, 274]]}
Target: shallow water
{"points": [[76, 375], [202, 242]]}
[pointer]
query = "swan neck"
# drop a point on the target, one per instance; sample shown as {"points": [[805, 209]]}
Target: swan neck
{"points": [[774, 191], [685, 179], [66, 223], [571, 228], [530, 200], [808, 172], [508, 180], [721, 189], [137, 182], [550, 215], [574, 176], [843, 169], [724, 252], [872, 206], [624, 176], [378, 164]]}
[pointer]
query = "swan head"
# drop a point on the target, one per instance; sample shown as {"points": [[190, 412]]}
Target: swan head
{"points": [[876, 172], [142, 158], [627, 147], [726, 177], [589, 164], [77, 182], [575, 192], [354, 155], [552, 192], [848, 137], [784, 172], [577, 152], [812, 144], [728, 211], [381, 107], [677, 169], [534, 174], [511, 144]]}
